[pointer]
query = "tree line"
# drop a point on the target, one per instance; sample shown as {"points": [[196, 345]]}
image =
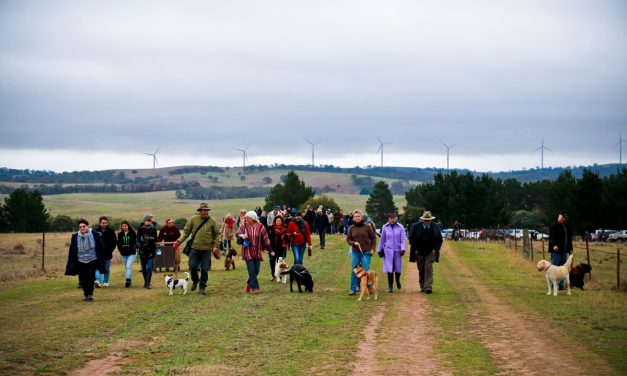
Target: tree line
{"points": [[480, 201]]}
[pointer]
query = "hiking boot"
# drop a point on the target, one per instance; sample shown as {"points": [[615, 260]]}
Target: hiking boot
{"points": [[390, 289], [194, 285], [202, 291]]}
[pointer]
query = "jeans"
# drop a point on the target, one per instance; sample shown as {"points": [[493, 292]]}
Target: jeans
{"points": [[104, 278], [86, 276], [225, 242], [202, 260], [128, 265], [147, 264], [359, 258], [299, 252], [253, 270], [559, 259]]}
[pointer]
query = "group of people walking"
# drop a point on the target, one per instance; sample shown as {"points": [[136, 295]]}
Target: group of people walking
{"points": [[91, 250]]}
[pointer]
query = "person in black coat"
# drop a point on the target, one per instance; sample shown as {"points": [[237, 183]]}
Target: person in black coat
{"points": [[321, 222], [85, 256], [147, 241], [425, 240], [110, 241], [560, 241]]}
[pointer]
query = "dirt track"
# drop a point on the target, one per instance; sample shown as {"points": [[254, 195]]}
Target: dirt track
{"points": [[519, 343]]}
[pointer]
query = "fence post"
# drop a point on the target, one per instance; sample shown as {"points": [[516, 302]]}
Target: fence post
{"points": [[515, 242], [43, 252], [588, 257], [618, 268], [531, 243]]}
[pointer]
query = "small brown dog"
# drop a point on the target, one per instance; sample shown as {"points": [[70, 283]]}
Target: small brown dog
{"points": [[367, 278], [229, 260]]}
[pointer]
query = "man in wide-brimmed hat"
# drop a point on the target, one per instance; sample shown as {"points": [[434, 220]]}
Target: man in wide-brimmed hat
{"points": [[425, 239], [206, 239], [560, 241]]}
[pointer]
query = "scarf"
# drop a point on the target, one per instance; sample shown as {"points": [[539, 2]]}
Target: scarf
{"points": [[85, 242], [229, 222], [301, 228]]}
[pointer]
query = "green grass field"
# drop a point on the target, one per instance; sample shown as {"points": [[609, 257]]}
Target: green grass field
{"points": [[165, 204], [48, 330]]}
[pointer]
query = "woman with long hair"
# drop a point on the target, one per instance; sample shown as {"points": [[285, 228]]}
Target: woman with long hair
{"points": [[300, 237], [228, 231], [278, 242], [127, 238]]}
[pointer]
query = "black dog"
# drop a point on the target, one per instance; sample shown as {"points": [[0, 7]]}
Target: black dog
{"points": [[577, 273], [302, 276]]}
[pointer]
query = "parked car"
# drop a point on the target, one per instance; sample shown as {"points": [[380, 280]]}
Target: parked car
{"points": [[447, 233], [515, 233], [618, 236], [537, 235]]}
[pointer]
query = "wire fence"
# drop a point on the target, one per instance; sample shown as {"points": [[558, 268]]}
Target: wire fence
{"points": [[31, 255], [606, 259]]}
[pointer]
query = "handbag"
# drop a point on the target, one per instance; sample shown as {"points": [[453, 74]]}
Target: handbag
{"points": [[188, 245]]}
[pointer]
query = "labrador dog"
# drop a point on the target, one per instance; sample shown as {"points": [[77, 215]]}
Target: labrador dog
{"points": [[554, 274], [366, 278], [577, 273], [301, 275]]}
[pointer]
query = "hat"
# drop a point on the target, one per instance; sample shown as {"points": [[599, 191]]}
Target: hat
{"points": [[392, 214], [564, 213], [277, 206], [203, 206], [252, 214], [426, 216]]}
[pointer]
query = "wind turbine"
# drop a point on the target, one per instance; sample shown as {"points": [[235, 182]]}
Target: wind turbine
{"points": [[313, 146], [542, 148], [244, 157], [154, 157], [448, 151], [381, 143], [620, 147]]}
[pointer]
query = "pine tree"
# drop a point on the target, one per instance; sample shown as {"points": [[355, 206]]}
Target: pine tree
{"points": [[25, 211], [292, 193], [380, 203]]}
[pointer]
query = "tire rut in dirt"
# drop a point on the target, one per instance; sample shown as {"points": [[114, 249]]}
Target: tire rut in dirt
{"points": [[399, 339], [526, 344]]}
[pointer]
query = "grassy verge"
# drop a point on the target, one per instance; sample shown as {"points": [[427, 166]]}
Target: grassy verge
{"points": [[48, 330], [596, 319], [462, 351]]}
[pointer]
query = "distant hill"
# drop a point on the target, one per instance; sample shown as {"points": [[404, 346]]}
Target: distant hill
{"points": [[256, 180]]}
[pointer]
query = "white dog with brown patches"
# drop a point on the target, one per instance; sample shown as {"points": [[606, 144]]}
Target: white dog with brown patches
{"points": [[554, 274], [280, 268]]}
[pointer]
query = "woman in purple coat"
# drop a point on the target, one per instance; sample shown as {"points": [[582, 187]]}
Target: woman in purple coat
{"points": [[392, 249]]}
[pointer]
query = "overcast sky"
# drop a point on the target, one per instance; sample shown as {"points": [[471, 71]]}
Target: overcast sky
{"points": [[93, 84]]}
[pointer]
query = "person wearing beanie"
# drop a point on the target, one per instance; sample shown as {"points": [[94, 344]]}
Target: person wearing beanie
{"points": [[254, 239]]}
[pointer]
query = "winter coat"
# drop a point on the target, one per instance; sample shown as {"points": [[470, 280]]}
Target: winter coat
{"points": [[147, 241], [417, 241], [257, 238], [109, 240], [392, 247], [562, 237], [299, 239], [72, 256], [207, 238]]}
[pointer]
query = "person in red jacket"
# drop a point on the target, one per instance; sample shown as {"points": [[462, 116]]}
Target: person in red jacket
{"points": [[300, 236], [169, 234]]}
